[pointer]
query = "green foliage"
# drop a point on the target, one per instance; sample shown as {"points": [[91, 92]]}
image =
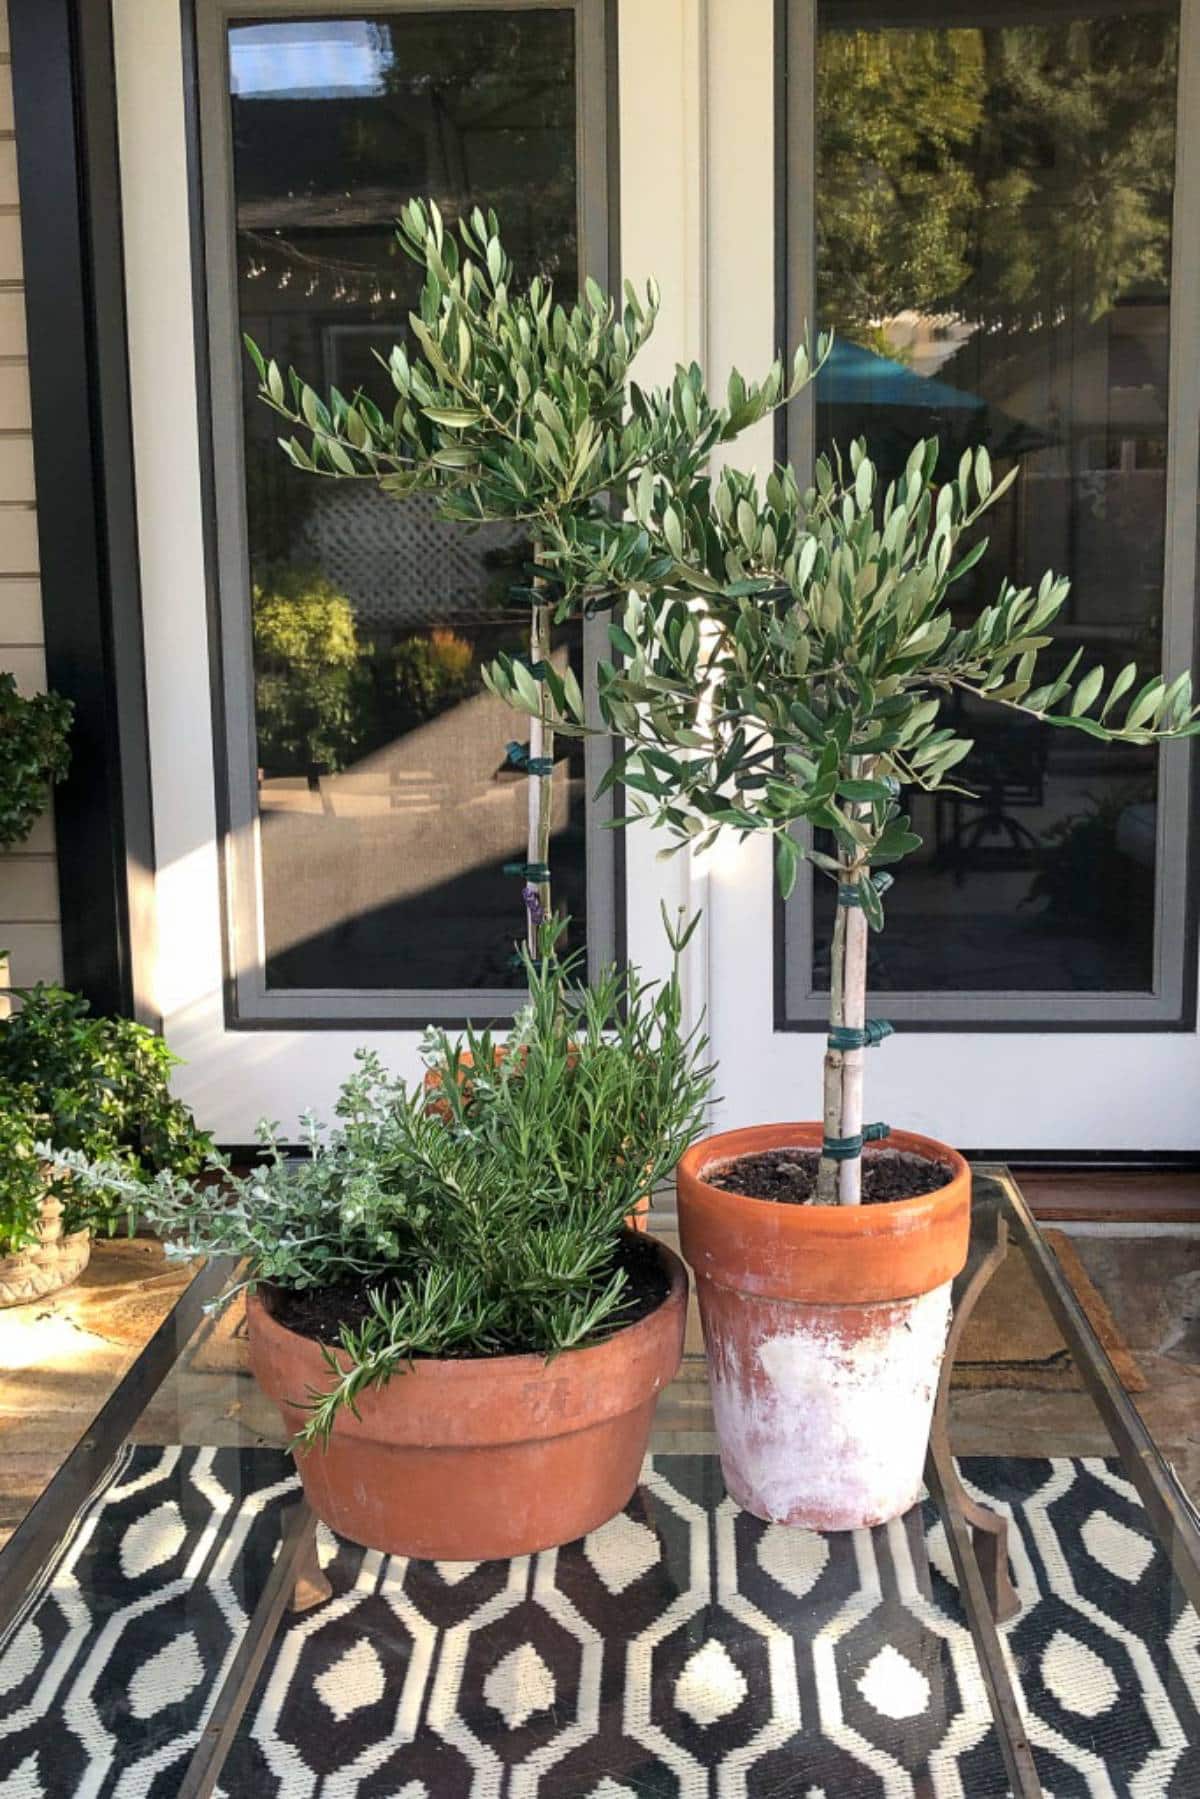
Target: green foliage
{"points": [[22, 1176], [784, 656], [311, 695], [96, 1085], [33, 754], [432, 672], [483, 1209], [511, 405]]}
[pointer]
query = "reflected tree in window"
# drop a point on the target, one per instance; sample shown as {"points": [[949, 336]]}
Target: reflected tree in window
{"points": [[994, 250]]}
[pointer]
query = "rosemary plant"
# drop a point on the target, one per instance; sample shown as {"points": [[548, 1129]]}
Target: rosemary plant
{"points": [[482, 1211]]}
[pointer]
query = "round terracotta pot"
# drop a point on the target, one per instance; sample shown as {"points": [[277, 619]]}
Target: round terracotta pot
{"points": [[824, 1328], [478, 1458]]}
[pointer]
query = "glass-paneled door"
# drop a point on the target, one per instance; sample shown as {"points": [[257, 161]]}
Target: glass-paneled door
{"points": [[371, 803], [997, 209], [337, 813]]}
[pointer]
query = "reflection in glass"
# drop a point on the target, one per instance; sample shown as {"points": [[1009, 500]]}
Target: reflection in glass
{"points": [[994, 250], [387, 808]]}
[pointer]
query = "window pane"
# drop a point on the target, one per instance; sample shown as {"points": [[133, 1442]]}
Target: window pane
{"points": [[994, 251], [386, 806]]}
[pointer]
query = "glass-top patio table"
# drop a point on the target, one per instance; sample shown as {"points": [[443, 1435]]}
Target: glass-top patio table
{"points": [[174, 1623]]}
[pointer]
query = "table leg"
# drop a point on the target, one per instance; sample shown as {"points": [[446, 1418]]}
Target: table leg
{"points": [[312, 1586], [1014, 1742], [286, 1580], [989, 1530]]}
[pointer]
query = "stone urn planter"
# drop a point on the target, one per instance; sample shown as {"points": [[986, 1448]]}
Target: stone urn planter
{"points": [[55, 1260], [824, 1328], [480, 1457]]}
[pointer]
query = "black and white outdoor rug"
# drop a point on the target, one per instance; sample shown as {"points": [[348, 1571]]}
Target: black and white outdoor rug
{"points": [[685, 1651]]}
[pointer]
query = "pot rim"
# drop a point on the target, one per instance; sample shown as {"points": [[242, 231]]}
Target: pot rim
{"points": [[707, 1153], [826, 1254], [529, 1364]]}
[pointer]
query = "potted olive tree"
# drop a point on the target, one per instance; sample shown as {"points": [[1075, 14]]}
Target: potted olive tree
{"points": [[509, 405], [446, 1303], [785, 672]]}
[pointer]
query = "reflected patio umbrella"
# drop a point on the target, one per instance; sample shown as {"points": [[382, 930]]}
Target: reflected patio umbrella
{"points": [[860, 393]]}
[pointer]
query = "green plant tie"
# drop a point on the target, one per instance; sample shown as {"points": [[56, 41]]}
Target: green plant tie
{"points": [[535, 589], [848, 1036], [537, 872], [844, 1149], [851, 895], [540, 766]]}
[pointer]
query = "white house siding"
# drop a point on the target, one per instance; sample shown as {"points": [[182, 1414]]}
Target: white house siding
{"points": [[29, 915]]}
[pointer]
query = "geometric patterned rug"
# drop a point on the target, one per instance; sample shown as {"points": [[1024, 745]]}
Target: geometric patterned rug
{"points": [[684, 1651]]}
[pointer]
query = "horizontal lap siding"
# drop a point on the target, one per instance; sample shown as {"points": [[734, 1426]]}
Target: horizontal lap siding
{"points": [[29, 927]]}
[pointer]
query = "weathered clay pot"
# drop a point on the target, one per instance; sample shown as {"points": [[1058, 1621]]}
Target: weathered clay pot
{"points": [[824, 1328], [54, 1261], [484, 1457]]}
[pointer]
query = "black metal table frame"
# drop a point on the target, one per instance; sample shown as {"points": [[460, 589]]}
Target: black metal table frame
{"points": [[976, 1536]]}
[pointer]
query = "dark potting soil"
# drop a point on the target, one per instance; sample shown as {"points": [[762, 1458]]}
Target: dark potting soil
{"points": [[321, 1312], [790, 1176]]}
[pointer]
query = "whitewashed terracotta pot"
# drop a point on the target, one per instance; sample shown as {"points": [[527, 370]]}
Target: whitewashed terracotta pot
{"points": [[825, 1328]]}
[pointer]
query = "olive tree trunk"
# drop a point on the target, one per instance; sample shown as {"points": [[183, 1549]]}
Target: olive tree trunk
{"points": [[841, 1181], [540, 787]]}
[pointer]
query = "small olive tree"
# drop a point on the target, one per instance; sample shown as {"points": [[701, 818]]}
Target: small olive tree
{"points": [[511, 406], [783, 660]]}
